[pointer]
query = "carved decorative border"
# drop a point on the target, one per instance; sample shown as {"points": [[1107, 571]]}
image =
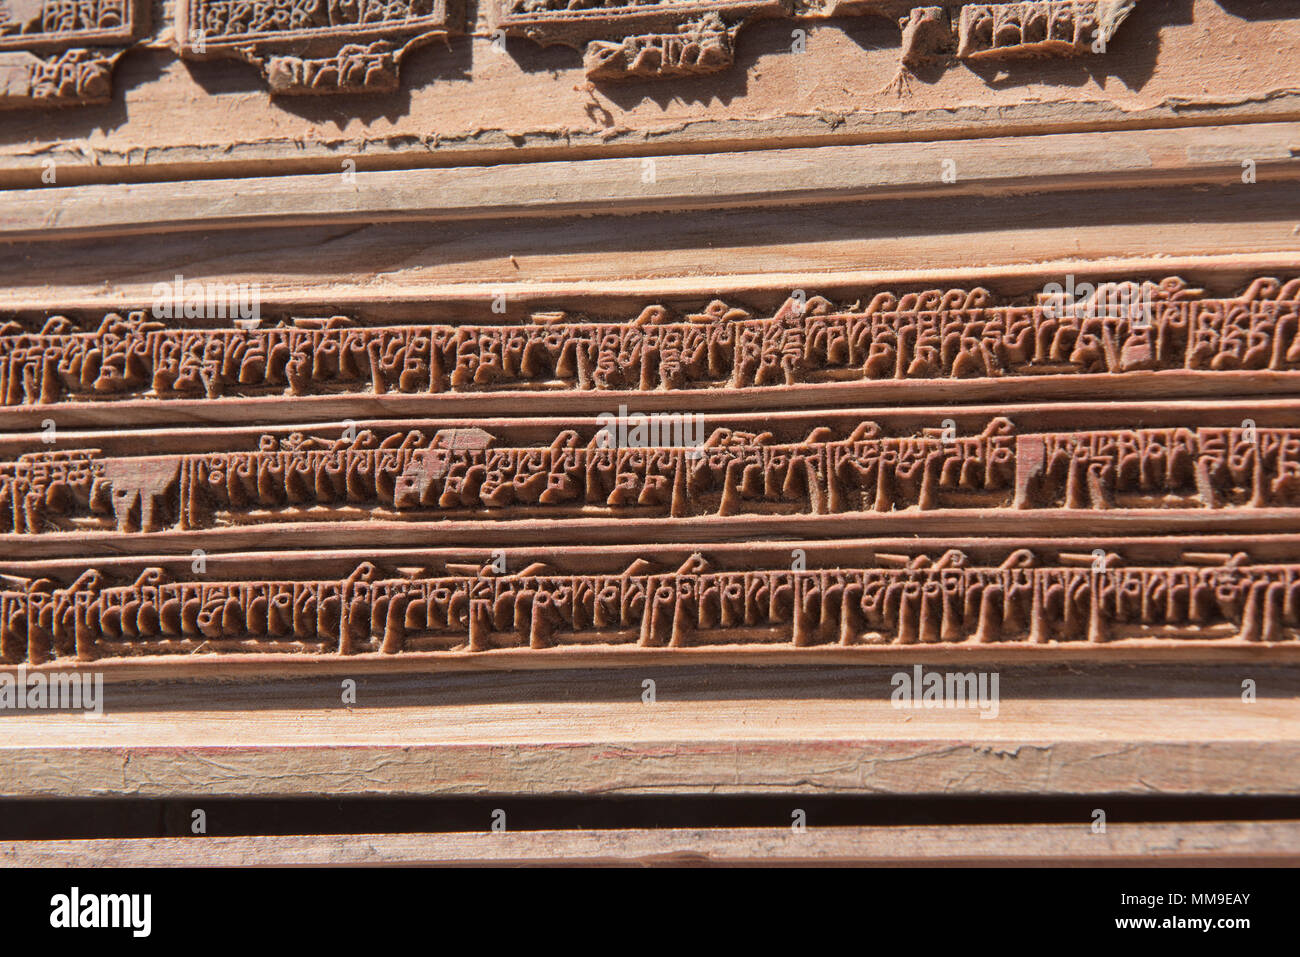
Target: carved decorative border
{"points": [[68, 59], [332, 46], [630, 468], [339, 57], [684, 37], [574, 27], [118, 22], [904, 600], [954, 335]]}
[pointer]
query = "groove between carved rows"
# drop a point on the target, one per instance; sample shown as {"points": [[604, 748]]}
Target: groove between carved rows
{"points": [[688, 473]]}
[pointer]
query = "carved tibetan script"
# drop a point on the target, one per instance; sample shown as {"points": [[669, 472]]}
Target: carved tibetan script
{"points": [[322, 46], [62, 52], [672, 38], [59, 52], [953, 334], [925, 600], [1155, 469], [449, 475]]}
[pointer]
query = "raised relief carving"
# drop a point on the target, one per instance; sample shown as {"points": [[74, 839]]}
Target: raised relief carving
{"points": [[62, 52], [976, 32], [74, 76], [626, 40], [696, 48], [1044, 28], [953, 335], [669, 38], [880, 601], [320, 46], [659, 467], [57, 52], [927, 34]]}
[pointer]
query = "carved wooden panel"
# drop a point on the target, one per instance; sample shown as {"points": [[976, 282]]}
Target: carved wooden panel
{"points": [[57, 53], [62, 52], [966, 402], [699, 473], [1045, 28], [659, 467], [319, 47], [371, 350], [807, 73], [671, 38], [878, 600], [893, 342]]}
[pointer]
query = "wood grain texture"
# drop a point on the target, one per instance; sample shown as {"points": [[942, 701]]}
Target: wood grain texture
{"points": [[1064, 730], [785, 177], [1234, 227], [465, 102], [1209, 844], [1175, 154]]}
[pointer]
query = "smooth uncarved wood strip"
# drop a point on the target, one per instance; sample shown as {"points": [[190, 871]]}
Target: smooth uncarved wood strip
{"points": [[1238, 843], [462, 300], [969, 766], [702, 253], [208, 666], [830, 174], [1072, 730]]}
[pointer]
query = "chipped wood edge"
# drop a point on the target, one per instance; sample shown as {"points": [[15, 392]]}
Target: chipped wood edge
{"points": [[493, 146]]}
